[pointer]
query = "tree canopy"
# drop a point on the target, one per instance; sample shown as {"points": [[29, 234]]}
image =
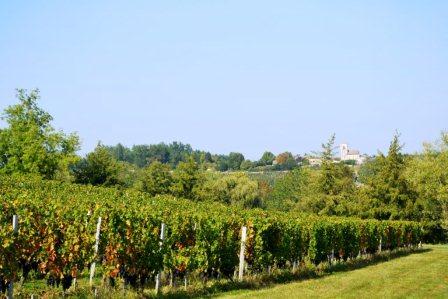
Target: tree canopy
{"points": [[97, 168], [155, 179], [388, 191], [30, 144]]}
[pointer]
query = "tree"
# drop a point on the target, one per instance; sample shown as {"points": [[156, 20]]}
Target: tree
{"points": [[389, 193], [205, 160], [222, 163], [97, 168], [235, 160], [208, 157], [179, 152], [29, 144], [121, 153], [172, 154], [140, 155], [233, 189], [266, 159], [289, 190], [246, 165], [128, 174], [328, 190], [156, 179], [367, 170], [327, 178], [428, 176], [285, 161], [186, 179]]}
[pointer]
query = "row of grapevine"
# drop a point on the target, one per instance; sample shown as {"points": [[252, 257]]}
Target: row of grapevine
{"points": [[58, 224]]}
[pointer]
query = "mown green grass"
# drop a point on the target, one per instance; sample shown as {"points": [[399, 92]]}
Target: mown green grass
{"points": [[419, 275]]}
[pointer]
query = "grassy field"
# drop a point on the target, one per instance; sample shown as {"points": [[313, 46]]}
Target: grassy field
{"points": [[419, 275]]}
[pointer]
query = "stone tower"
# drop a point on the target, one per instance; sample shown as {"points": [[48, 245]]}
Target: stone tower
{"points": [[343, 148]]}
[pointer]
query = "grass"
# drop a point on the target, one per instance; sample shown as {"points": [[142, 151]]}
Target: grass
{"points": [[402, 273], [419, 275]]}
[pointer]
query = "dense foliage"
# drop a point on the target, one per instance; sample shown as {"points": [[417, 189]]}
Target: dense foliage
{"points": [[170, 154], [29, 144], [174, 153], [97, 168], [58, 220], [387, 186], [392, 186]]}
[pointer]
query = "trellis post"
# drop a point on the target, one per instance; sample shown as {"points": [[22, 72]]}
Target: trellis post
{"points": [[15, 229], [97, 242], [242, 251], [162, 237]]}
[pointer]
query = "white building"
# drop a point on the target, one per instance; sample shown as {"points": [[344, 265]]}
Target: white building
{"points": [[314, 161], [350, 154]]}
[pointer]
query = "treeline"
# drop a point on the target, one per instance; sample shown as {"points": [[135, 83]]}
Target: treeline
{"points": [[391, 186], [187, 180], [175, 152]]}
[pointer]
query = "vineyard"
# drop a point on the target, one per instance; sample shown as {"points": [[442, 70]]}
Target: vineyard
{"points": [[57, 227]]}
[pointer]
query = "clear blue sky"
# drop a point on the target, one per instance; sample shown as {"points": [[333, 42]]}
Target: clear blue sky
{"points": [[224, 76]]}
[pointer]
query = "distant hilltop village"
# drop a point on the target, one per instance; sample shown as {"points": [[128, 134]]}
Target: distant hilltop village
{"points": [[350, 154], [346, 154]]}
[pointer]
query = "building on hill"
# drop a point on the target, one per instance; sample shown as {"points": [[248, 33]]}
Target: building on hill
{"points": [[350, 154], [314, 161]]}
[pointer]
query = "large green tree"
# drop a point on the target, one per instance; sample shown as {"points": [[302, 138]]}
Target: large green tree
{"points": [[327, 190], [366, 170], [222, 163], [333, 188], [29, 143], [428, 175], [187, 179], [289, 190], [388, 192], [155, 179], [97, 168], [327, 179], [235, 160], [233, 189], [266, 159]]}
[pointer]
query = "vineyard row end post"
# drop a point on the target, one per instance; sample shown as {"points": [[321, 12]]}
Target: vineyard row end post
{"points": [[15, 229]]}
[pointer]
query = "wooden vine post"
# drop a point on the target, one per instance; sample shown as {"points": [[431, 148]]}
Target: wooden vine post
{"points": [[97, 242], [162, 237], [15, 229], [242, 251]]}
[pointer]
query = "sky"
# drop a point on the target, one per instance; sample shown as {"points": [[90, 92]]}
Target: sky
{"points": [[244, 76]]}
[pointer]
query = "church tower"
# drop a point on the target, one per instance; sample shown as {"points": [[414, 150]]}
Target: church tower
{"points": [[343, 148]]}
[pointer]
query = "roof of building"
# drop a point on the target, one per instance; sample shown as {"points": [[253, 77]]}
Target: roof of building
{"points": [[352, 152]]}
